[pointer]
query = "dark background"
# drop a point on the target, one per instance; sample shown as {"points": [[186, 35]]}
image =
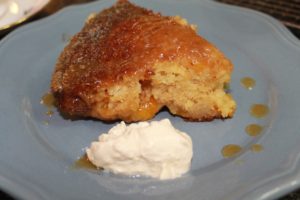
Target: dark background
{"points": [[287, 11]]}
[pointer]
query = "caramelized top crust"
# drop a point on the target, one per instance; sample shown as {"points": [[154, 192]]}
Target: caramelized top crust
{"points": [[127, 40]]}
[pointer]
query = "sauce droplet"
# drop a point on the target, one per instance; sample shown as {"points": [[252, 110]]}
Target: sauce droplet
{"points": [[48, 100], [248, 83], [231, 150], [49, 113], [253, 129], [256, 148], [84, 163], [259, 110]]}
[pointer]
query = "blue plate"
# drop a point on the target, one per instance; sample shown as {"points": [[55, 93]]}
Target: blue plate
{"points": [[36, 158]]}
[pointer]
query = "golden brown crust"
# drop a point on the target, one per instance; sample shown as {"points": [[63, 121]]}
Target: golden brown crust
{"points": [[125, 41]]}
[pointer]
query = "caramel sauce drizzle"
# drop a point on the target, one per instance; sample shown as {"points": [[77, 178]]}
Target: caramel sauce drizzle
{"points": [[84, 163], [248, 83], [48, 101], [253, 129], [231, 150], [259, 110]]}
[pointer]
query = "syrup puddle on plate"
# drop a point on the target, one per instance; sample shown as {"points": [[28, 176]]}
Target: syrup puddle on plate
{"points": [[259, 110], [253, 129], [84, 163], [48, 101], [231, 150], [248, 83]]}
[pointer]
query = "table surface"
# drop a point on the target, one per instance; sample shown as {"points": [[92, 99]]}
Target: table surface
{"points": [[56, 5]]}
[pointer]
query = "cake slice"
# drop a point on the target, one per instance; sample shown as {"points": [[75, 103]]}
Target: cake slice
{"points": [[128, 62]]}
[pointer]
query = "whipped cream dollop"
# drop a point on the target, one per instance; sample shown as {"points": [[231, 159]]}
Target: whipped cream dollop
{"points": [[154, 149]]}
